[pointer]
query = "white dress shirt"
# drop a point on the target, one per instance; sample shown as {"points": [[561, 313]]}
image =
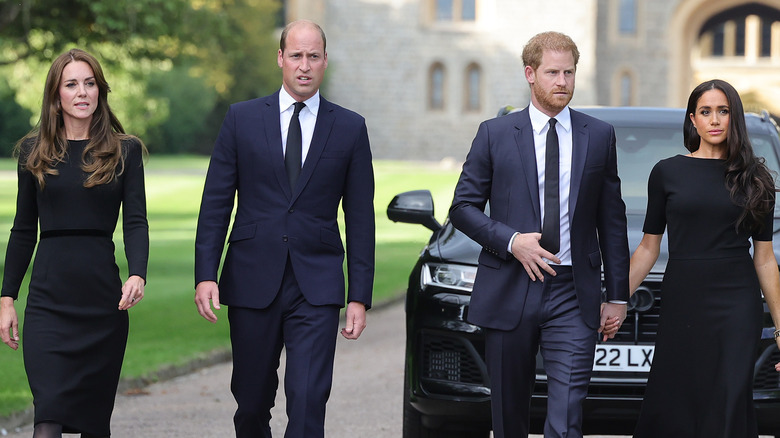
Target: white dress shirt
{"points": [[307, 117], [540, 123]]}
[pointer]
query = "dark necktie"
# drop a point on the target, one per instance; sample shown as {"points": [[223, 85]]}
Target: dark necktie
{"points": [[292, 157], [551, 228]]}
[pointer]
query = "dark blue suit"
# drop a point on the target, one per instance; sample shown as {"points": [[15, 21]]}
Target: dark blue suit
{"points": [[282, 276], [501, 168]]}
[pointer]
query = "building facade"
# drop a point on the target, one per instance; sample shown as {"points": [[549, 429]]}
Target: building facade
{"points": [[425, 73]]}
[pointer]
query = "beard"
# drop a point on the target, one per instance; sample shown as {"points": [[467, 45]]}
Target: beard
{"points": [[548, 100]]}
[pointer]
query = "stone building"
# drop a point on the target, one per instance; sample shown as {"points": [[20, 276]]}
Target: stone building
{"points": [[425, 73]]}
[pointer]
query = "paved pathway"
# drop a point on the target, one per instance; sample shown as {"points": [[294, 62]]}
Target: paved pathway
{"points": [[365, 401]]}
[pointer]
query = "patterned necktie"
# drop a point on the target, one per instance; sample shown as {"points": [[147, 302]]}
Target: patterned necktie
{"points": [[551, 228], [292, 157]]}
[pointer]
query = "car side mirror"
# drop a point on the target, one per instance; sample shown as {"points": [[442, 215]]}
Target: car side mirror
{"points": [[415, 207]]}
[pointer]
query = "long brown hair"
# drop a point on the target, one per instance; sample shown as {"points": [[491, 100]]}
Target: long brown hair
{"points": [[46, 145], [749, 181]]}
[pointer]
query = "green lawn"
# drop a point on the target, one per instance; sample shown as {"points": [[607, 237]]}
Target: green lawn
{"points": [[166, 329]]}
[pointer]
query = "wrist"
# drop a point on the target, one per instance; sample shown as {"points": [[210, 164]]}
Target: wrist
{"points": [[777, 334]]}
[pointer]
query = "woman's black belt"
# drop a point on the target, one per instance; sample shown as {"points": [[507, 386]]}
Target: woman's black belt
{"points": [[75, 232]]}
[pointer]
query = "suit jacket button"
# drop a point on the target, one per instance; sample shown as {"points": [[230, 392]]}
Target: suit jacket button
{"points": [[290, 210], [284, 238]]}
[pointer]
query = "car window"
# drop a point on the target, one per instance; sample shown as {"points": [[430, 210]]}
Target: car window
{"points": [[639, 149], [763, 146]]}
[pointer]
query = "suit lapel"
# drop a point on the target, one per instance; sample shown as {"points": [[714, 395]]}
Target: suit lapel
{"points": [[273, 143], [322, 129], [524, 138], [580, 144]]}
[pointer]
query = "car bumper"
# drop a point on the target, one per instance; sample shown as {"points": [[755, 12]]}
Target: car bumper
{"points": [[450, 377]]}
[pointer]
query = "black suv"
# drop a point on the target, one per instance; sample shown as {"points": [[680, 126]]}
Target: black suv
{"points": [[446, 387]]}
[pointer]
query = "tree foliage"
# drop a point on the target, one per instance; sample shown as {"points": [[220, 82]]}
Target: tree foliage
{"points": [[14, 119], [173, 65], [41, 28]]}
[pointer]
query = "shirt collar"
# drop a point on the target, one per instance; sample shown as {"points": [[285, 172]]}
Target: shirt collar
{"points": [[286, 102], [539, 119]]}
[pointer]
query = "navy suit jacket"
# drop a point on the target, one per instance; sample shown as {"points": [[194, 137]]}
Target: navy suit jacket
{"points": [[273, 222], [501, 168]]}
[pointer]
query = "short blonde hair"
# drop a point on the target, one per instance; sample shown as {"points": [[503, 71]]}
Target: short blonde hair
{"points": [[555, 41]]}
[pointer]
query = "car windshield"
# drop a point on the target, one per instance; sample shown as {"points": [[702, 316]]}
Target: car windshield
{"points": [[639, 149]]}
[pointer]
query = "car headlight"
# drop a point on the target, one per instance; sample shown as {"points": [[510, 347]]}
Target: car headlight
{"points": [[448, 276]]}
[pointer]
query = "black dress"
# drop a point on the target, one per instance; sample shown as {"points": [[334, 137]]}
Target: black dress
{"points": [[74, 336], [700, 384]]}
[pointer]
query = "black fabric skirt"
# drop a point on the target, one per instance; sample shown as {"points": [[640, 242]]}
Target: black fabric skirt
{"points": [[74, 336], [700, 384]]}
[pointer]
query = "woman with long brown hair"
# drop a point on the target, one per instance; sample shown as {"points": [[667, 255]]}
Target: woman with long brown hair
{"points": [[76, 169], [713, 202]]}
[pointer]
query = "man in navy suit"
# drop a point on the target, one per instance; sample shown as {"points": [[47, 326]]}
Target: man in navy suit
{"points": [[538, 285], [291, 158]]}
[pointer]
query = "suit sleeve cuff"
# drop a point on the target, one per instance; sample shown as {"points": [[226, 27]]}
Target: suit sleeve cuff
{"points": [[512, 239]]}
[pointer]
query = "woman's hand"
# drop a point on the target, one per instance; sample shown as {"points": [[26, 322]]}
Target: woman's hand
{"points": [[132, 292], [9, 323]]}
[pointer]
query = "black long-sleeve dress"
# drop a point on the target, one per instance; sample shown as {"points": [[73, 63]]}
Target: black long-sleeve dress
{"points": [[700, 384], [74, 336]]}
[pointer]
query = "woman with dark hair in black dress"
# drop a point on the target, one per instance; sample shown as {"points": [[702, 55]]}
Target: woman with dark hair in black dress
{"points": [[713, 201], [76, 170]]}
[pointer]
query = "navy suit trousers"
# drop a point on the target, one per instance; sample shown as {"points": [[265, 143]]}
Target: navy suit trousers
{"points": [[551, 323], [308, 334]]}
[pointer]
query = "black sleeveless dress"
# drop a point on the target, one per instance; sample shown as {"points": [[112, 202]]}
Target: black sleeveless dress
{"points": [[74, 336], [700, 384]]}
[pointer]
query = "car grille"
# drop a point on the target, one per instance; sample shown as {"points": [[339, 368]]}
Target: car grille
{"points": [[452, 360], [641, 326], [460, 359], [765, 376]]}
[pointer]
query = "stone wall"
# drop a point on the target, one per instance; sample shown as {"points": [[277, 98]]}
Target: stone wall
{"points": [[380, 53]]}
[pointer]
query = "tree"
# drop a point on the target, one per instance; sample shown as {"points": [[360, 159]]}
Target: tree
{"points": [[41, 28], [152, 51], [14, 119]]}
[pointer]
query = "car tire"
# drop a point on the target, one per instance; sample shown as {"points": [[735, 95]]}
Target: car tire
{"points": [[413, 426]]}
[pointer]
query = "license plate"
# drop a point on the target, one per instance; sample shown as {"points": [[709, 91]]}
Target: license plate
{"points": [[623, 357]]}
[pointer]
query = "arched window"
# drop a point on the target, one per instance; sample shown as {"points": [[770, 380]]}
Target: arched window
{"points": [[473, 101], [743, 31], [436, 86]]}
